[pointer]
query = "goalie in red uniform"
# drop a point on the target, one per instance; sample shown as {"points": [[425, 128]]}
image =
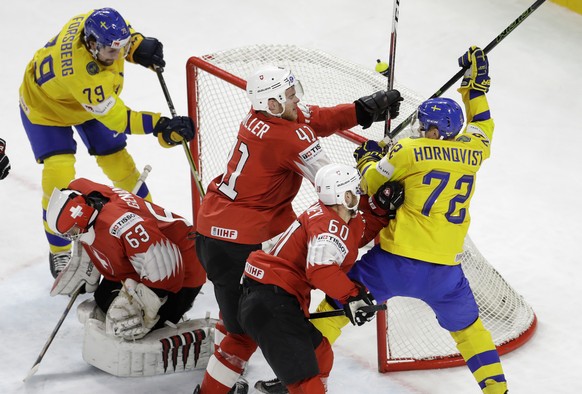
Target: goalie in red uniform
{"points": [[315, 252], [276, 147], [145, 253]]}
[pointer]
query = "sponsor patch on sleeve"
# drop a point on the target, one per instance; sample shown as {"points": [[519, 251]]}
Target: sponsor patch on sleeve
{"points": [[124, 223], [312, 153], [102, 108]]}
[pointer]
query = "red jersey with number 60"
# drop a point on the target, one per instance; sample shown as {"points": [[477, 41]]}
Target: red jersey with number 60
{"points": [[133, 238], [251, 201], [315, 252]]}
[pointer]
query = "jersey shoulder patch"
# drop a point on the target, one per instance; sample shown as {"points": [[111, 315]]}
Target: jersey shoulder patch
{"points": [[124, 223]]}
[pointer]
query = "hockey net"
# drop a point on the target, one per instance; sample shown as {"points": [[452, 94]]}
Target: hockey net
{"points": [[409, 336]]}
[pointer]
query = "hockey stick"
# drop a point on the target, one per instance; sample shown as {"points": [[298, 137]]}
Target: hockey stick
{"points": [[195, 174], [52, 336], [461, 72], [36, 364], [392, 60], [341, 312]]}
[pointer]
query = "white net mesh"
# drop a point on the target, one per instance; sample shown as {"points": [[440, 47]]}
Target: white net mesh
{"points": [[413, 332]]}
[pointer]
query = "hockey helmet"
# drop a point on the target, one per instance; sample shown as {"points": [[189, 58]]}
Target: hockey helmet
{"points": [[444, 113], [271, 82], [68, 214], [108, 28], [334, 180]]}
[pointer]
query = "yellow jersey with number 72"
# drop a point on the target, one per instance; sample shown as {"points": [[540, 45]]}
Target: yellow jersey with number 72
{"points": [[439, 177]]}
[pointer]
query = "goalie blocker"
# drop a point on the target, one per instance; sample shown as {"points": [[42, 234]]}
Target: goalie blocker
{"points": [[184, 347]]}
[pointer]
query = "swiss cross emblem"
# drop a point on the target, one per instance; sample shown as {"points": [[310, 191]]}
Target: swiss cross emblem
{"points": [[76, 211]]}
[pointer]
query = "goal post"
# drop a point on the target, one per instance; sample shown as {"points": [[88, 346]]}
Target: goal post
{"points": [[408, 334]]}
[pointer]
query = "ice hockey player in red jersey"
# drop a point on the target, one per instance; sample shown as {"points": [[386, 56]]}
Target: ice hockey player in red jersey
{"points": [[315, 252], [276, 147], [144, 252]]}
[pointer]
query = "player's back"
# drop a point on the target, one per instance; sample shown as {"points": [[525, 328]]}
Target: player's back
{"points": [[439, 177], [252, 201]]}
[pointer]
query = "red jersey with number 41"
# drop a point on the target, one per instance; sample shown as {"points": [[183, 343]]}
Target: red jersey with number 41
{"points": [[251, 201], [133, 238]]}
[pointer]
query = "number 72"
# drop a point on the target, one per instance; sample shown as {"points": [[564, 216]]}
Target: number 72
{"points": [[442, 179]]}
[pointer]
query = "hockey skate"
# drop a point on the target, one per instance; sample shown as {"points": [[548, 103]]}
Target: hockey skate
{"points": [[58, 261], [240, 387], [273, 386]]}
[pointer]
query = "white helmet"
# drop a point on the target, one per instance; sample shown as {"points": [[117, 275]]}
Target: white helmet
{"points": [[271, 82], [334, 180], [68, 214]]}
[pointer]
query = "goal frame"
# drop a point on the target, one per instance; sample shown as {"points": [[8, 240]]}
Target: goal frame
{"points": [[385, 363]]}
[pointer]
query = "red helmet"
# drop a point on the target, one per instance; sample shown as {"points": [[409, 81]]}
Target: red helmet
{"points": [[68, 214]]}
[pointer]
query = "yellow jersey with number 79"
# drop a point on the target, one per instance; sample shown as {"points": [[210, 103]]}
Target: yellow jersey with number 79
{"points": [[64, 86], [439, 178]]}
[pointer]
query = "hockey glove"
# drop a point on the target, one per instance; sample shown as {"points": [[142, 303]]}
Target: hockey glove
{"points": [[134, 312], [171, 132], [80, 273], [4, 162], [477, 75], [374, 108], [368, 152], [353, 306], [387, 199], [146, 51]]}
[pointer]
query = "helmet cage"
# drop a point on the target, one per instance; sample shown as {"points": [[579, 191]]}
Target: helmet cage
{"points": [[443, 113]]}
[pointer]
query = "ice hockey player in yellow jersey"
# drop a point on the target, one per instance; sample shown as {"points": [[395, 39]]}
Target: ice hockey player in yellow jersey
{"points": [[75, 80], [416, 256]]}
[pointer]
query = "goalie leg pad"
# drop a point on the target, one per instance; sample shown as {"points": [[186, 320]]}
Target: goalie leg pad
{"points": [[79, 272], [186, 347]]}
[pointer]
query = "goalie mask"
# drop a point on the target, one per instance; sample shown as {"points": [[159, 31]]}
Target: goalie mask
{"points": [[270, 82], [68, 214], [333, 181], [444, 113]]}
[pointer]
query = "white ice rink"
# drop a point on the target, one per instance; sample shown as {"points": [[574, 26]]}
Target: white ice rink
{"points": [[526, 216]]}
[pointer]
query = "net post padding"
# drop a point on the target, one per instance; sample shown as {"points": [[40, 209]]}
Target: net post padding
{"points": [[409, 337]]}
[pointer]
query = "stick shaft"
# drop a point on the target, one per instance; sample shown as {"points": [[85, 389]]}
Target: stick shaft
{"points": [[53, 334], [143, 176], [461, 72], [392, 59], [341, 312], [187, 151]]}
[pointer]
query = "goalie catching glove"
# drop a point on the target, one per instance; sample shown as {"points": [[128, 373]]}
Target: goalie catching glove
{"points": [[134, 312], [387, 199], [477, 75], [374, 108], [79, 273], [172, 131], [353, 306]]}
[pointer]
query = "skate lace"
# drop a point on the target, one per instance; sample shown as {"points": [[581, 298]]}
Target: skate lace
{"points": [[60, 260]]}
